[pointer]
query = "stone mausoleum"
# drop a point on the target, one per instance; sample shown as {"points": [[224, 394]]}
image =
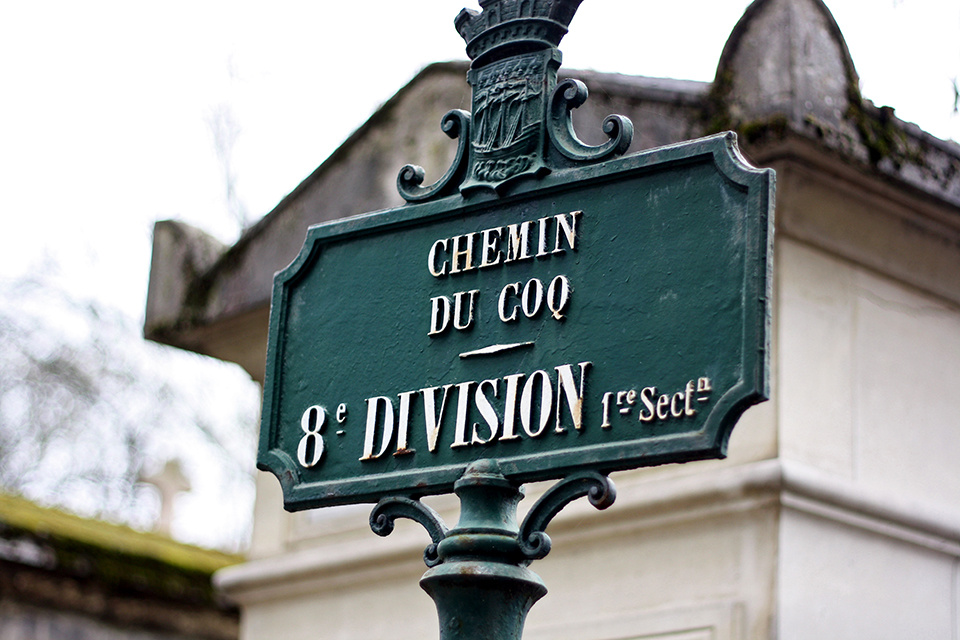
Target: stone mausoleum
{"points": [[837, 512]]}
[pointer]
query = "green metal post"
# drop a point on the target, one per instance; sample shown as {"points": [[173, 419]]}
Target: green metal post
{"points": [[478, 574], [481, 589]]}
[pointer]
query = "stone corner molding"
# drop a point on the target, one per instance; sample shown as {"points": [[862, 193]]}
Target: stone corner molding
{"points": [[795, 485]]}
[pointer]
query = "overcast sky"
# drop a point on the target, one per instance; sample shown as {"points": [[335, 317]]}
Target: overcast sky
{"points": [[105, 105]]}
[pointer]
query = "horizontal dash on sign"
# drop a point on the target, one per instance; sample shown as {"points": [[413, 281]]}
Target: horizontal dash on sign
{"points": [[496, 348]]}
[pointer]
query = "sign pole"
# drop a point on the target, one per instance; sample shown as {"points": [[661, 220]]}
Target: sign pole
{"points": [[478, 575]]}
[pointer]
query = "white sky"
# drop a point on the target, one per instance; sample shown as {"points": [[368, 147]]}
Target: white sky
{"points": [[103, 104]]}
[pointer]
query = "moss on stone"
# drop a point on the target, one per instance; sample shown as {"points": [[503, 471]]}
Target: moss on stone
{"points": [[880, 134], [715, 114], [115, 556], [768, 129]]}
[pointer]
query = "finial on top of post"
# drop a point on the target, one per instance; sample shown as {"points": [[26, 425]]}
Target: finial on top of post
{"points": [[507, 27], [521, 126]]}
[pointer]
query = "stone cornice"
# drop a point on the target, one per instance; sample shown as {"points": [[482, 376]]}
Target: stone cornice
{"points": [[641, 503]]}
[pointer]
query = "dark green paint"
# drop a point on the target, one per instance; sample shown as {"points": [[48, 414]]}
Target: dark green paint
{"points": [[670, 283], [669, 288]]}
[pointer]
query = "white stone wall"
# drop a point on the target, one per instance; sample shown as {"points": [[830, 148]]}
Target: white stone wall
{"points": [[869, 398], [870, 378]]}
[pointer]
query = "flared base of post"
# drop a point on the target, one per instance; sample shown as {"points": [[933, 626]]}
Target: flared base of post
{"points": [[479, 600]]}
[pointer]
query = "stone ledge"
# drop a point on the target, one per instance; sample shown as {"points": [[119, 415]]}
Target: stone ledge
{"points": [[639, 505]]}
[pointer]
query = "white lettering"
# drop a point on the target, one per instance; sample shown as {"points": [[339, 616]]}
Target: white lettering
{"points": [[487, 411], [373, 414], [490, 253], [531, 400], [439, 315], [646, 396], [676, 410], [607, 397], [542, 243], [568, 229], [432, 259], [310, 449], [566, 389], [456, 254], [433, 420], [462, 248], [502, 304], [558, 296], [532, 298], [526, 403], [510, 407], [688, 409], [518, 241], [403, 426], [458, 322], [666, 406], [463, 399], [663, 405]]}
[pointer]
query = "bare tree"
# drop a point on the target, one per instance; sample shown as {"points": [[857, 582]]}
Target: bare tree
{"points": [[87, 407], [225, 131]]}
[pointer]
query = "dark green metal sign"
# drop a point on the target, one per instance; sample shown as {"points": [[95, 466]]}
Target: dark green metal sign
{"points": [[542, 305], [608, 317]]}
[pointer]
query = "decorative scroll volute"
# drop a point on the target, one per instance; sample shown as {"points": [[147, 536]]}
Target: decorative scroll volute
{"points": [[518, 127]]}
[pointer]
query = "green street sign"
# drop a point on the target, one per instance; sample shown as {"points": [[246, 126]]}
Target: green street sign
{"points": [[546, 309], [545, 305], [599, 317]]}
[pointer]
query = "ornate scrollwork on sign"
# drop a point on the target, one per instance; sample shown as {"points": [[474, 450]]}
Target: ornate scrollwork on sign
{"points": [[534, 542], [456, 124], [517, 115], [569, 95], [387, 511]]}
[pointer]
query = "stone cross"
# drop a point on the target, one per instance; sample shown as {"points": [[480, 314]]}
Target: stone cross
{"points": [[170, 482]]}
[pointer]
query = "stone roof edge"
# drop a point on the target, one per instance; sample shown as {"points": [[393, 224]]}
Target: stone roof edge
{"points": [[641, 503], [916, 163], [868, 135], [21, 515], [916, 131], [927, 167], [668, 90], [898, 150], [688, 92], [342, 150], [204, 278]]}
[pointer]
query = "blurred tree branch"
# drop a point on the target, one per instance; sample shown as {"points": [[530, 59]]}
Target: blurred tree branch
{"points": [[87, 407]]}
